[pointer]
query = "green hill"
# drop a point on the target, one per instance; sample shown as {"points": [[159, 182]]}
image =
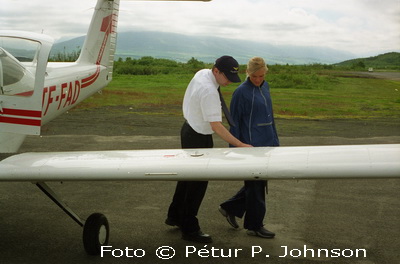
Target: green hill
{"points": [[389, 60], [182, 48]]}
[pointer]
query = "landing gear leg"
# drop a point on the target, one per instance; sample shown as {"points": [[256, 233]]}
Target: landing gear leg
{"points": [[95, 229]]}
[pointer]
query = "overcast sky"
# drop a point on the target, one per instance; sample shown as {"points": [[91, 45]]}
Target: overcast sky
{"points": [[363, 27]]}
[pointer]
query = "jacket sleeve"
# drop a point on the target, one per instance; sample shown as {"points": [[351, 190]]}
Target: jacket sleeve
{"points": [[276, 138], [236, 112]]}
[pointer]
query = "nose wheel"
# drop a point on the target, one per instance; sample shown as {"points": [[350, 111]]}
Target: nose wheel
{"points": [[95, 233]]}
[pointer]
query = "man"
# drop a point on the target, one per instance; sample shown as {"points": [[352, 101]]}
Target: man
{"points": [[203, 117]]}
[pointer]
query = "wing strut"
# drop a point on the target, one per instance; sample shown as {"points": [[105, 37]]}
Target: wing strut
{"points": [[95, 229], [52, 195]]}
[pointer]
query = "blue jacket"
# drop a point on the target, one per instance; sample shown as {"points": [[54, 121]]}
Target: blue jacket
{"points": [[251, 110]]}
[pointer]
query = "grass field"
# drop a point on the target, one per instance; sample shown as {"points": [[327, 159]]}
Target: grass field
{"points": [[298, 94]]}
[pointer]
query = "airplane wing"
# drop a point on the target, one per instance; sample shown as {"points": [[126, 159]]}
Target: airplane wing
{"points": [[319, 162]]}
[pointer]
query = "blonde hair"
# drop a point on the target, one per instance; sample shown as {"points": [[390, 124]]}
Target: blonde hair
{"points": [[255, 64]]}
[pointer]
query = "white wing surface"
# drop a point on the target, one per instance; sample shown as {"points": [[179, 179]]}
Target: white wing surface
{"points": [[353, 161]]}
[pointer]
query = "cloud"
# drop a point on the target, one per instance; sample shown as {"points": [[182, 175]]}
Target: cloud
{"points": [[358, 26]]}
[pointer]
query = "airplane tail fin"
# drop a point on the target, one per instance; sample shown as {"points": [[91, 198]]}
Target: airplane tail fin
{"points": [[100, 43]]}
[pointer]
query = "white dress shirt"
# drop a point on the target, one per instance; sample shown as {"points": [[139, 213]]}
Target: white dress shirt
{"points": [[201, 104]]}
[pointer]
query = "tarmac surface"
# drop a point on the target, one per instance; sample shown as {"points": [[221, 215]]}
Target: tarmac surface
{"points": [[356, 221]]}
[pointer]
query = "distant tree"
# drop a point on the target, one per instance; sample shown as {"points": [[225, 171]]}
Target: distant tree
{"points": [[147, 60], [66, 57], [148, 65], [361, 64], [195, 64], [358, 65]]}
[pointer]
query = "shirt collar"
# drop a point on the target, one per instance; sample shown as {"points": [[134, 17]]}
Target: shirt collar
{"points": [[213, 79]]}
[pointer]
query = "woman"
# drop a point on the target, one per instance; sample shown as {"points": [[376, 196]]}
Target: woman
{"points": [[251, 110]]}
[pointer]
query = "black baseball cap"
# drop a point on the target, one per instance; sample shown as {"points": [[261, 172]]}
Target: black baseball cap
{"points": [[229, 66]]}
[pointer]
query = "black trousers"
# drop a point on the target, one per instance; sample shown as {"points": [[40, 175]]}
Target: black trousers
{"points": [[189, 194], [250, 203]]}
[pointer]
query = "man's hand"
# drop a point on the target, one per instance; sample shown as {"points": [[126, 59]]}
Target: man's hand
{"points": [[221, 131]]}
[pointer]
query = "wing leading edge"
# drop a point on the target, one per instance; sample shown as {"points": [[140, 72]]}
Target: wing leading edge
{"points": [[332, 162]]}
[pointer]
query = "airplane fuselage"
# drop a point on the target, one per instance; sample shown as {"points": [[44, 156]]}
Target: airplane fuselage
{"points": [[34, 91], [65, 85], [62, 92]]}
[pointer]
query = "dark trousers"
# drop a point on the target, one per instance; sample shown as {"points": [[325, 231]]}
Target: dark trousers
{"points": [[250, 200], [189, 194]]}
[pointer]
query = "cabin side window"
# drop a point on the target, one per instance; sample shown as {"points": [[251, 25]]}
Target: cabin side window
{"points": [[17, 66]]}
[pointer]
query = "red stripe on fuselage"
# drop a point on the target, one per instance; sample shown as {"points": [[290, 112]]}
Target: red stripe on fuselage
{"points": [[21, 112], [91, 79], [20, 117], [28, 93], [20, 121]]}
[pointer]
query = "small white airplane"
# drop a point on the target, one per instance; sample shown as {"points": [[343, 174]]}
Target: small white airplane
{"points": [[34, 91]]}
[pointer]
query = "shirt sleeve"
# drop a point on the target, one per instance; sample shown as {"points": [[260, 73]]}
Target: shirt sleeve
{"points": [[211, 107]]}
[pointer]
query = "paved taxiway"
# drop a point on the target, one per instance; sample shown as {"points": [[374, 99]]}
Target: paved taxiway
{"points": [[344, 215]]}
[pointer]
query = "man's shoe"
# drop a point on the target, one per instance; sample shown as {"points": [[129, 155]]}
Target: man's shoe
{"points": [[171, 222], [230, 218], [261, 232], [197, 237]]}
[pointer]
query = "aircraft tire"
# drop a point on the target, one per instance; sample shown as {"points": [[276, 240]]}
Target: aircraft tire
{"points": [[95, 233]]}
